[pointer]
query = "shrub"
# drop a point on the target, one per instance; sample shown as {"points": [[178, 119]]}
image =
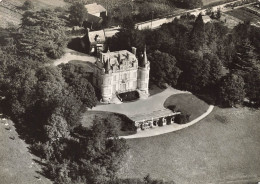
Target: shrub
{"points": [[129, 96], [172, 108], [27, 5], [182, 118]]}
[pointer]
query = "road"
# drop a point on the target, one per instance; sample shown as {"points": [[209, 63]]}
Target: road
{"points": [[156, 23]]}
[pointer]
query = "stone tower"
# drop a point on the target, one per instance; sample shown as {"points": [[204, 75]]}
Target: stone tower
{"points": [[106, 78], [143, 74]]}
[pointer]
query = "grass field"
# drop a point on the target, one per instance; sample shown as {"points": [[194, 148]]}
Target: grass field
{"points": [[10, 14], [223, 148], [215, 2], [17, 165], [206, 2], [244, 15], [189, 103]]}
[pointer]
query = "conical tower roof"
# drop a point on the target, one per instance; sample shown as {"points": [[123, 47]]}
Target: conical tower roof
{"points": [[107, 66]]}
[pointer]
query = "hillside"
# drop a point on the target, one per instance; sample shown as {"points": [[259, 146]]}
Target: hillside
{"points": [[10, 12]]}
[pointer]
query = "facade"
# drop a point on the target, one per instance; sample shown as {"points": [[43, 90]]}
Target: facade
{"points": [[119, 72], [154, 119]]}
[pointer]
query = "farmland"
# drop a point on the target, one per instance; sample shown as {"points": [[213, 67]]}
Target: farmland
{"points": [[222, 148], [207, 2], [10, 12]]}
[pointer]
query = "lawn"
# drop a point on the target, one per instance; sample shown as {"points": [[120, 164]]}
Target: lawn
{"points": [[244, 15], [17, 165], [188, 103], [222, 148], [207, 3]]}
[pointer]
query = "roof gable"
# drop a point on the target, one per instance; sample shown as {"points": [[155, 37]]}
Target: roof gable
{"points": [[95, 8]]}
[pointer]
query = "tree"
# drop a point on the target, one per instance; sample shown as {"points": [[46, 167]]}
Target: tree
{"points": [[232, 90], [27, 5], [77, 77], [17, 83], [80, 44], [125, 39], [42, 36], [200, 71], [93, 156], [191, 4], [102, 153], [245, 59], [218, 15], [197, 35], [56, 127], [252, 86], [77, 14], [128, 23], [163, 68]]}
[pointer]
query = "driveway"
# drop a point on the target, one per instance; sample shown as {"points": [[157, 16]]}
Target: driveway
{"points": [[152, 103], [71, 55]]}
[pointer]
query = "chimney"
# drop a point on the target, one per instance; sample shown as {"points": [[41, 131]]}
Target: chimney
{"points": [[134, 50]]}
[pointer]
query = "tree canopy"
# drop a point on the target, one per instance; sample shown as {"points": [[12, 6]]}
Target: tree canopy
{"points": [[163, 68], [42, 35], [232, 90], [77, 14]]}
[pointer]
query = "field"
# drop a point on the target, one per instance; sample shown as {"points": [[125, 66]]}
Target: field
{"points": [[230, 21], [10, 14], [17, 165], [215, 2], [223, 148], [188, 103], [207, 2], [244, 15]]}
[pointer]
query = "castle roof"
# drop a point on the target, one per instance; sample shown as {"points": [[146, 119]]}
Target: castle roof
{"points": [[119, 57], [107, 66]]}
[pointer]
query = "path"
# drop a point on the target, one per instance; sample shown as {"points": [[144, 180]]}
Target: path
{"points": [[167, 128], [71, 55]]}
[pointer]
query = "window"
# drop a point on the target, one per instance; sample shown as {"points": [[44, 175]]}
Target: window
{"points": [[134, 84], [123, 87]]}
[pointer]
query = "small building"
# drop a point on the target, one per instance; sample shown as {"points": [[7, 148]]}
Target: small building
{"points": [[154, 119], [96, 10], [96, 15], [119, 72], [206, 19]]}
